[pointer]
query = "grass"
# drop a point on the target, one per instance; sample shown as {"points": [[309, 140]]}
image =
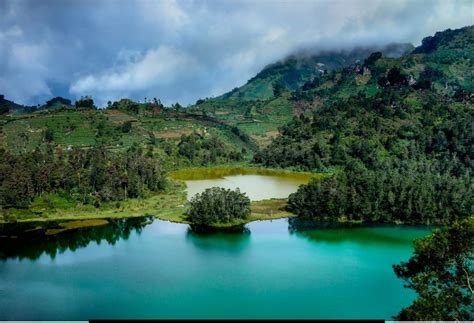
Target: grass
{"points": [[169, 205], [270, 209], [80, 128]]}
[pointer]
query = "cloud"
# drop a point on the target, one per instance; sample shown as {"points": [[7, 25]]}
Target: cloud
{"points": [[157, 67], [185, 50]]}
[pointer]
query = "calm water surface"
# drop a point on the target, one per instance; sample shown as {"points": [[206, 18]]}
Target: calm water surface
{"points": [[257, 187], [275, 269]]}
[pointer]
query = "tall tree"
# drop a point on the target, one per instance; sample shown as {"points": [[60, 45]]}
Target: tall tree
{"points": [[442, 273]]}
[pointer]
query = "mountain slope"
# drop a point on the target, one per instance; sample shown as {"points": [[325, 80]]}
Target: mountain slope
{"points": [[295, 70], [445, 67], [401, 152], [257, 110], [417, 107], [7, 106]]}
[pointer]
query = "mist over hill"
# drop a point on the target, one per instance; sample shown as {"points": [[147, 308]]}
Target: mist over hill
{"points": [[302, 66]]}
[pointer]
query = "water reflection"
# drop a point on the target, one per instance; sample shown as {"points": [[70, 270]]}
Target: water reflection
{"points": [[30, 243], [359, 233], [231, 240], [207, 230]]}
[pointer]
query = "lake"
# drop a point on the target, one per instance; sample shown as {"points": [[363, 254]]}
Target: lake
{"points": [[257, 183], [272, 269]]}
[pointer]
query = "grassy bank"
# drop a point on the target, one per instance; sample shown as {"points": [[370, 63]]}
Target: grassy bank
{"points": [[168, 206], [260, 210], [169, 203]]}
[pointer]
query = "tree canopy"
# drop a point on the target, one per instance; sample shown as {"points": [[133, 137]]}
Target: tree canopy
{"points": [[400, 191], [218, 205], [86, 176], [441, 271]]}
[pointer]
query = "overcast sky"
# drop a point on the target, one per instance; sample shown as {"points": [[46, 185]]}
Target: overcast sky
{"points": [[185, 50]]}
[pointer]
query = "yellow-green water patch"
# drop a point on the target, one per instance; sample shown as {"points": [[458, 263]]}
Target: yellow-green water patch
{"points": [[220, 172], [76, 225]]}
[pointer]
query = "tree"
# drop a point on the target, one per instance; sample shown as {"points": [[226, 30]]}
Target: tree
{"points": [[278, 88], [48, 135], [59, 100], [372, 58], [126, 126], [396, 77], [218, 205], [323, 199], [188, 146], [85, 103], [177, 106], [441, 271]]}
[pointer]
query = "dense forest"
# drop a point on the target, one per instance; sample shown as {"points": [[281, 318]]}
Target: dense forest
{"points": [[397, 191], [87, 176], [201, 150], [401, 154], [393, 161]]}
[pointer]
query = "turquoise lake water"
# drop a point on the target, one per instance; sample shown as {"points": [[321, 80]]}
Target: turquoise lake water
{"points": [[273, 269]]}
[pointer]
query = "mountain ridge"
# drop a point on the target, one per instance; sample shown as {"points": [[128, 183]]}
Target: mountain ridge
{"points": [[297, 68]]}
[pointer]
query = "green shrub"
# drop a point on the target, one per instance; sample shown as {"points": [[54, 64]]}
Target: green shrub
{"points": [[218, 205]]}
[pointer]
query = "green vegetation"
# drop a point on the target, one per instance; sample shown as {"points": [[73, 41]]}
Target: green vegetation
{"points": [[269, 209], [391, 134], [85, 176], [166, 205], [218, 205], [441, 272], [158, 132], [402, 154], [292, 72], [85, 103], [403, 193], [266, 102], [203, 150]]}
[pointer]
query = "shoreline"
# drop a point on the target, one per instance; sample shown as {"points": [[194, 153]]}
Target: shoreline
{"points": [[167, 206], [170, 204], [172, 215]]}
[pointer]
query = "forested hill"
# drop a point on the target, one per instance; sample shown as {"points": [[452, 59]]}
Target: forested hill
{"points": [[400, 142], [443, 63], [419, 99], [292, 72], [265, 102], [7, 106]]}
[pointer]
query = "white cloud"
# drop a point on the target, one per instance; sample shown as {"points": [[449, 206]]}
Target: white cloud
{"points": [[14, 31], [166, 13], [25, 73], [157, 67], [185, 50]]}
